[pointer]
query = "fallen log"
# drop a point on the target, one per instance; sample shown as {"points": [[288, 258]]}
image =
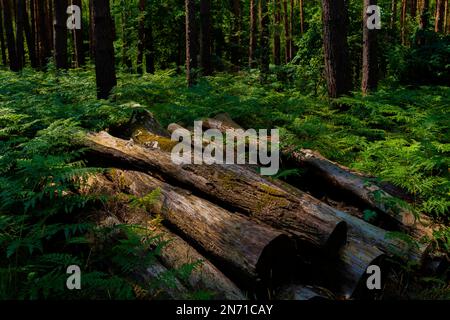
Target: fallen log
{"points": [[235, 187], [303, 292], [352, 182], [176, 252], [253, 252]]}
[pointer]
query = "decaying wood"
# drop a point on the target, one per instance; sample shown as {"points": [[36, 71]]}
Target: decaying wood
{"points": [[343, 178], [250, 250], [176, 252], [159, 290], [303, 292], [311, 222]]}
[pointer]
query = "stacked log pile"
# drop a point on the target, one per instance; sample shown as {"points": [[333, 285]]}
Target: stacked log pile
{"points": [[255, 237]]}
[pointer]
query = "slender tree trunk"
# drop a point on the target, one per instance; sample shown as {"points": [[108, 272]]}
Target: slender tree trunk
{"points": [[264, 38], [287, 48], [291, 31], [78, 38], [337, 67], [20, 21], [104, 48], [205, 45], [446, 22], [141, 37], [439, 16], [253, 34], [2, 38], [370, 61], [393, 14], [35, 20], [191, 52], [44, 41], [49, 24], [276, 36], [60, 34], [424, 14], [413, 8], [403, 22], [10, 39], [126, 60], [29, 35], [236, 34], [91, 31], [302, 17], [148, 43]]}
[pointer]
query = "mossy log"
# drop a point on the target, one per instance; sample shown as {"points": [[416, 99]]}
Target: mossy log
{"points": [[253, 252], [175, 252], [236, 187], [351, 182]]}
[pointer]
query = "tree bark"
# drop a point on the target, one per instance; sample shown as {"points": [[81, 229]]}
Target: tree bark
{"points": [[191, 52], [104, 49], [287, 49], [78, 38], [2, 39], [439, 16], [45, 46], [60, 34], [370, 53], [251, 251], [276, 35], [393, 14], [148, 43], [141, 37], [10, 39], [302, 17], [20, 21], [30, 37], [311, 222], [175, 252], [337, 66], [205, 44], [292, 48], [253, 34], [403, 22], [264, 51]]}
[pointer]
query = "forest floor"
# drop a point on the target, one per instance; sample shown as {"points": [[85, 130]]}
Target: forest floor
{"points": [[397, 134]]}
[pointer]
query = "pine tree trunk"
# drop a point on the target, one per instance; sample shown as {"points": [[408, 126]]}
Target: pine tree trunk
{"points": [[439, 16], [287, 48], [337, 67], [276, 36], [205, 44], [104, 49], [78, 38], [141, 37], [393, 14], [403, 22], [236, 34], [148, 44], [10, 39], [424, 14], [44, 41], [264, 52], [91, 31], [2, 39], [49, 24], [302, 17], [413, 8], [291, 31], [191, 52], [60, 34], [253, 34], [29, 35], [370, 61]]}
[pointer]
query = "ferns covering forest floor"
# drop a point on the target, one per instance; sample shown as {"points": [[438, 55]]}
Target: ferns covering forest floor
{"points": [[397, 134]]}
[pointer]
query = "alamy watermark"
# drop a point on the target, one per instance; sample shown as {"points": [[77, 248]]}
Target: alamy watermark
{"points": [[236, 146]]}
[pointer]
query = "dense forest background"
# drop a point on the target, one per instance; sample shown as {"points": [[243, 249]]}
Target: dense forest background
{"points": [[376, 101]]}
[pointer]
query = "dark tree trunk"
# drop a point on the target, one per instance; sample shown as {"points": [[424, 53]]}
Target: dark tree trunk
{"points": [[403, 22], [49, 24], [78, 38], [287, 48], [148, 44], [191, 52], [60, 34], [264, 38], [439, 16], [44, 40], [104, 49], [276, 35], [393, 14], [91, 31], [424, 14], [205, 45], [253, 34], [30, 36], [141, 37], [370, 61], [302, 17], [337, 68], [126, 60], [413, 8], [235, 54], [291, 31], [10, 40], [2, 39], [20, 21]]}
